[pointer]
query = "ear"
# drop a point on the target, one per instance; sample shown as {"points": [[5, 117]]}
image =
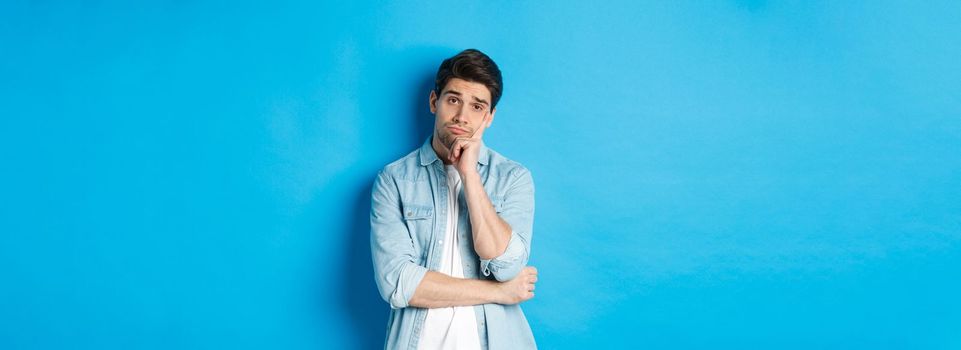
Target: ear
{"points": [[433, 102], [491, 119]]}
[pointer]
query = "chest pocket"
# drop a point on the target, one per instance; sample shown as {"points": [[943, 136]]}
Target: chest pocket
{"points": [[419, 219], [417, 212]]}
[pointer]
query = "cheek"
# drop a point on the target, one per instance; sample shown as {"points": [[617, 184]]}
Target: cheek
{"points": [[444, 116]]}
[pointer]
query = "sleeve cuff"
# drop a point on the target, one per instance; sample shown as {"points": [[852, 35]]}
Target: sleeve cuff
{"points": [[410, 278], [506, 266]]}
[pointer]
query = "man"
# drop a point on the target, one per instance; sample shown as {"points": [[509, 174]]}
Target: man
{"points": [[451, 225]]}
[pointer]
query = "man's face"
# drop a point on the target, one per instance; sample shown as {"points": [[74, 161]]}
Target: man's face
{"points": [[460, 109]]}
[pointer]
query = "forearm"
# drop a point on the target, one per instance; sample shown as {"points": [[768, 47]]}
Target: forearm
{"points": [[491, 233], [438, 290]]}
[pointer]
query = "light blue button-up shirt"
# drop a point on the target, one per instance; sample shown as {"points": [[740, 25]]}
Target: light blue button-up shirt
{"points": [[408, 220]]}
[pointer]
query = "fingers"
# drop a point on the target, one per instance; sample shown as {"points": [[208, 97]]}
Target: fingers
{"points": [[455, 146], [454, 150], [458, 147], [531, 274]]}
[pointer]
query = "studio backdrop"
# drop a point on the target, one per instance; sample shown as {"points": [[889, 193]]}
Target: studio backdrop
{"points": [[709, 174]]}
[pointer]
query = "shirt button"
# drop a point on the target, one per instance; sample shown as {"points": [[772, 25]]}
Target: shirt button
{"points": [[440, 241], [410, 213]]}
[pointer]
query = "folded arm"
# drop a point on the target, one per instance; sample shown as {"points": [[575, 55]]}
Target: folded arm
{"points": [[404, 283], [502, 234], [491, 233], [440, 290]]}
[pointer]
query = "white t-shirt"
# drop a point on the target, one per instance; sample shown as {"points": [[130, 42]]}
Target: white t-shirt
{"points": [[451, 327]]}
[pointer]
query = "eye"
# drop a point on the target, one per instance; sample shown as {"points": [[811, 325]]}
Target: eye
{"points": [[478, 108], [452, 100]]}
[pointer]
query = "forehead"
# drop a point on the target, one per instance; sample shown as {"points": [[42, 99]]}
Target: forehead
{"points": [[468, 89]]}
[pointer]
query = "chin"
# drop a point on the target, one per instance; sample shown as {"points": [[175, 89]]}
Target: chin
{"points": [[443, 137]]}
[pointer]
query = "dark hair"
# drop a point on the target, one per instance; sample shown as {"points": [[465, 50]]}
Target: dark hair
{"points": [[473, 66]]}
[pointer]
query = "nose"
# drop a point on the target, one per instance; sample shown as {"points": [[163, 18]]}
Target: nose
{"points": [[459, 114]]}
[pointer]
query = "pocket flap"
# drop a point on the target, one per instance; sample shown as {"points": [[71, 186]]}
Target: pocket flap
{"points": [[417, 212]]}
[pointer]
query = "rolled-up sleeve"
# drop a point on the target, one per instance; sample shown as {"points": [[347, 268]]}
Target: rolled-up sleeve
{"points": [[392, 249], [517, 209]]}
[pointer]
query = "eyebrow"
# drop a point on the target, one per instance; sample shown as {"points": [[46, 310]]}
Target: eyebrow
{"points": [[455, 92]]}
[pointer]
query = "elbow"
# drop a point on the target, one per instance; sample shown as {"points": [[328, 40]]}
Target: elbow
{"points": [[490, 253], [506, 266], [392, 295], [397, 289], [398, 302]]}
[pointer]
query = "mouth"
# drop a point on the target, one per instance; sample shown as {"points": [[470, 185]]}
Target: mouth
{"points": [[456, 130]]}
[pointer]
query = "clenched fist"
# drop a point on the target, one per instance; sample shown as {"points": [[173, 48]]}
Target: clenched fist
{"points": [[519, 289]]}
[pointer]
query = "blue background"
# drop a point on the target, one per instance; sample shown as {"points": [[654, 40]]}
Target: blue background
{"points": [[713, 174]]}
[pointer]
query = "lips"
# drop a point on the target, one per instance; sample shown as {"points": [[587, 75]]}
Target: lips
{"points": [[456, 130]]}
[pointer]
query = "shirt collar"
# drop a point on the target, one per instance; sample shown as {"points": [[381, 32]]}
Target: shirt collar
{"points": [[427, 154]]}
